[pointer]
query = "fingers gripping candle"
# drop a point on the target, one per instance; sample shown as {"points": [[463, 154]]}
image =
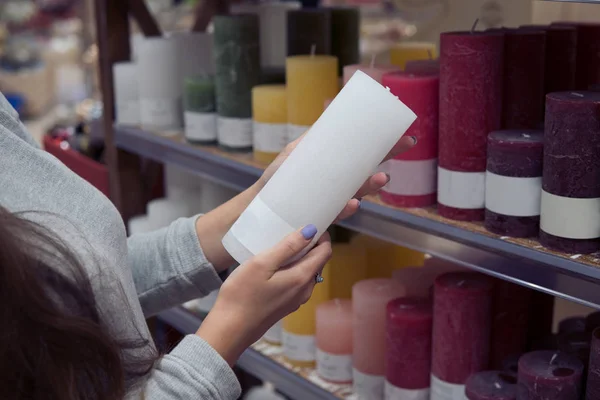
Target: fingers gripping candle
{"points": [[328, 166]]}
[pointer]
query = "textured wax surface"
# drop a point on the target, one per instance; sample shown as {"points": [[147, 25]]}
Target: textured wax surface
{"points": [[549, 375], [523, 96], [306, 29], [593, 378], [461, 325], [492, 385], [408, 340]]}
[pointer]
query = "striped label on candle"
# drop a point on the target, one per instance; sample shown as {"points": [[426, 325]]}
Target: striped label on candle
{"points": [[269, 138], [411, 178], [368, 386], [441, 390], [200, 126], [295, 131], [570, 218], [234, 132], [299, 347], [334, 367], [160, 113], [128, 112], [274, 333], [464, 190], [395, 393], [508, 195]]}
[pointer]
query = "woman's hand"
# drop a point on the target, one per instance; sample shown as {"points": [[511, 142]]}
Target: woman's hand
{"points": [[259, 293]]}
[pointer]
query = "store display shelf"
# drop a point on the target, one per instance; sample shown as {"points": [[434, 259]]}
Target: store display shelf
{"points": [[526, 262], [264, 361], [577, 1]]}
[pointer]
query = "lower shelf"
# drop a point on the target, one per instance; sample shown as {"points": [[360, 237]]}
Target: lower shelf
{"points": [[265, 362]]}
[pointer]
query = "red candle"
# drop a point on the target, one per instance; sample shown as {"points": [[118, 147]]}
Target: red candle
{"points": [[513, 183], [492, 385], [471, 67], [570, 221], [593, 379], [549, 375], [461, 330], [414, 173], [408, 348], [523, 96], [587, 70]]}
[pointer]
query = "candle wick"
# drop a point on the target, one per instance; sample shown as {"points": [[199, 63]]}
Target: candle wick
{"points": [[313, 50], [553, 358], [474, 25], [373, 60], [577, 94]]}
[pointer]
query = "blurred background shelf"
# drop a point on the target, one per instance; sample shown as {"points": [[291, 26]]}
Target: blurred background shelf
{"points": [[523, 261]]}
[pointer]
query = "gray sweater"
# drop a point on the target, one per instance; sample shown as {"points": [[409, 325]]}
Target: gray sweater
{"points": [[133, 278]]}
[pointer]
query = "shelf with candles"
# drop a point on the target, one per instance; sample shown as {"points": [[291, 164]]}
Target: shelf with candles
{"points": [[523, 261], [266, 362]]}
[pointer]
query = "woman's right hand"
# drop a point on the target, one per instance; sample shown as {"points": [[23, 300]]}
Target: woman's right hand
{"points": [[259, 293]]}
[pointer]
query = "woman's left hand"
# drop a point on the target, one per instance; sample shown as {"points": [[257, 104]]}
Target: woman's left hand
{"points": [[371, 186]]}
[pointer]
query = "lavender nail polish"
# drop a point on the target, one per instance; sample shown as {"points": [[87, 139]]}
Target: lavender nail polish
{"points": [[309, 231]]}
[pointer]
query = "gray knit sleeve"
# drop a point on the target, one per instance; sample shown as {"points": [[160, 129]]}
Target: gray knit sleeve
{"points": [[169, 266]]}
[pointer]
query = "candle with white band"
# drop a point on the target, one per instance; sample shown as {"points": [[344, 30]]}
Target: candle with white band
{"points": [[127, 100], [159, 83], [334, 340], [200, 117], [325, 170], [311, 80], [514, 182], [269, 112], [570, 211]]}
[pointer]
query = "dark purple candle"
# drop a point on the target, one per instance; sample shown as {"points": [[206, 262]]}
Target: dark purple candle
{"points": [[492, 385], [523, 96], [511, 363], [593, 379], [570, 207], [514, 182], [587, 70], [592, 321], [539, 333], [571, 325], [549, 375]]}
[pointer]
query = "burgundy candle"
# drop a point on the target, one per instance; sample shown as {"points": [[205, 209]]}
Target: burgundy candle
{"points": [[461, 331], [471, 67], [408, 348], [587, 70], [413, 174], [577, 344], [513, 182], [570, 220], [523, 96], [492, 385], [571, 325], [593, 378], [549, 375], [510, 321]]}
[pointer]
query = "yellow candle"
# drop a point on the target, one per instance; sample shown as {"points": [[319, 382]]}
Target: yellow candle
{"points": [[384, 257], [311, 80], [409, 51], [347, 266], [299, 346], [269, 112]]}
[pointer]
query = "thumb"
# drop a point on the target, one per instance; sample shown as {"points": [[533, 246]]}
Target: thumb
{"points": [[287, 248]]}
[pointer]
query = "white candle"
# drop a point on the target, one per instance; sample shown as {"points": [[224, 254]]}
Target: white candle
{"points": [[328, 166], [127, 101]]}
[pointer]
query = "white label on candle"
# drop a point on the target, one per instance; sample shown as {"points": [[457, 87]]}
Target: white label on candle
{"points": [[235, 132], [273, 335], [269, 138], [299, 347], [508, 195], [334, 367], [464, 190], [395, 393], [200, 126], [128, 112], [295, 131], [412, 177], [160, 113], [441, 390], [368, 387], [571, 218]]}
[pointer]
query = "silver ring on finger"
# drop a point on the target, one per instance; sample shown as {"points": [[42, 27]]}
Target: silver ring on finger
{"points": [[319, 278]]}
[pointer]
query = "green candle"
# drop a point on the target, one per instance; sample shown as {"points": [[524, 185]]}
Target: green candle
{"points": [[345, 35], [199, 94]]}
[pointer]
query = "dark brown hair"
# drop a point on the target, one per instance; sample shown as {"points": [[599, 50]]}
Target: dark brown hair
{"points": [[53, 342]]}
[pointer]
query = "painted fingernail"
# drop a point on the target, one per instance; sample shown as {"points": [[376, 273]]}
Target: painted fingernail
{"points": [[359, 202], [414, 139], [309, 231], [389, 178]]}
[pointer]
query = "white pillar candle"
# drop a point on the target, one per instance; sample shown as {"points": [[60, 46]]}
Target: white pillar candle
{"points": [[159, 84], [328, 166], [127, 101]]}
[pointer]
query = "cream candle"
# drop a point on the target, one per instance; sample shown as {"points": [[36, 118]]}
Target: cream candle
{"points": [[369, 300], [326, 169], [127, 101], [334, 340]]}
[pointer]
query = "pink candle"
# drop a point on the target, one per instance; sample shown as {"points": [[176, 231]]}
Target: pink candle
{"points": [[414, 173], [376, 72], [549, 375], [492, 385], [334, 340], [369, 301], [408, 362], [461, 330]]}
